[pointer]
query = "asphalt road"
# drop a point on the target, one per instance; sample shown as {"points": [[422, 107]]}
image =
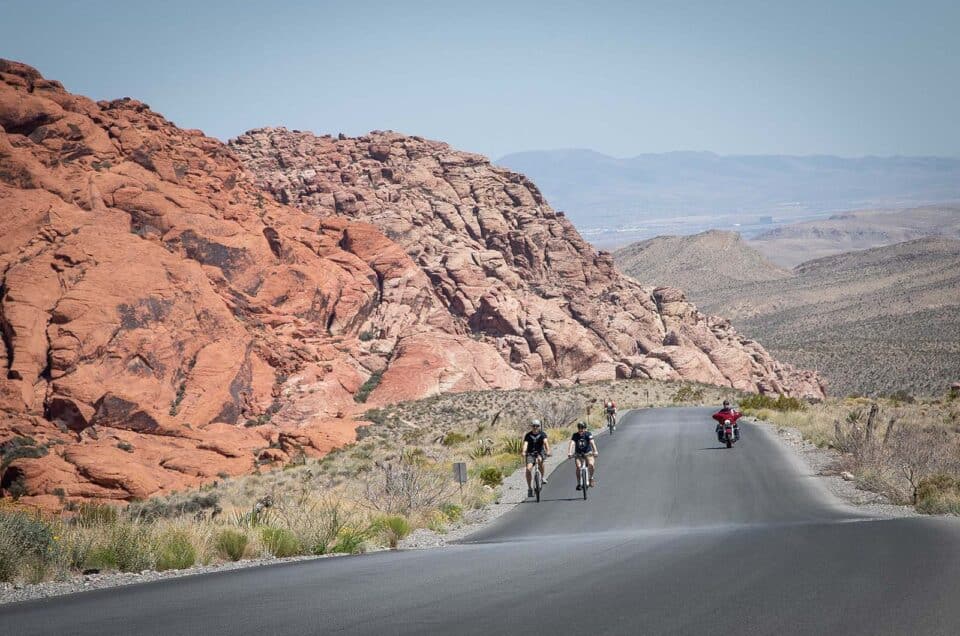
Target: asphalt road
{"points": [[679, 537]]}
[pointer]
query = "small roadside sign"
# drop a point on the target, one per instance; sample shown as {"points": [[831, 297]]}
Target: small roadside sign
{"points": [[460, 472]]}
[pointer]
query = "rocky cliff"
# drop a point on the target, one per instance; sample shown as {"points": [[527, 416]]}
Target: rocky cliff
{"points": [[166, 322], [508, 268]]}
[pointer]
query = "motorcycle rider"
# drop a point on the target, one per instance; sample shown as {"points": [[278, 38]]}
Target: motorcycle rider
{"points": [[535, 445], [584, 448], [727, 413]]}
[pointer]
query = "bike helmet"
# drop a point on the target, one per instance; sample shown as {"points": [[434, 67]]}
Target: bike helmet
{"points": [[582, 425], [535, 424], [726, 403]]}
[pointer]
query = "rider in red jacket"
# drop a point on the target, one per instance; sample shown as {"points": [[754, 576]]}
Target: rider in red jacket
{"points": [[727, 413]]}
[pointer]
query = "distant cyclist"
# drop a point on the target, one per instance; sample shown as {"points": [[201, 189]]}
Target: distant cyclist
{"points": [[584, 448], [727, 413], [610, 408], [535, 447]]}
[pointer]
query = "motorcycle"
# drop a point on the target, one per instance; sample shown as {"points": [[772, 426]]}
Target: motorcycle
{"points": [[729, 433]]}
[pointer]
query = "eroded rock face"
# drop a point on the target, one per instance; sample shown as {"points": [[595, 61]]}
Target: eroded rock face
{"points": [[508, 268], [163, 322]]}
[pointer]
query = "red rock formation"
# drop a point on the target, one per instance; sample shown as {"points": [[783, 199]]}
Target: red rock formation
{"points": [[163, 322], [507, 267], [153, 302]]}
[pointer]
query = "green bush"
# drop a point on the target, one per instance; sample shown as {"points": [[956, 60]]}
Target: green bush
{"points": [[27, 546], [781, 403], [512, 445], [452, 511], [174, 551], [232, 544], [453, 438], [349, 541], [393, 529], [367, 388], [688, 393], [20, 447], [491, 476], [280, 542], [122, 546]]}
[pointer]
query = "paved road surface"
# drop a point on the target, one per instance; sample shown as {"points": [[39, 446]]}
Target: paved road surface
{"points": [[679, 537]]}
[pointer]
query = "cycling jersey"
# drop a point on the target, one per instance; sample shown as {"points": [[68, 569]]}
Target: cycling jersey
{"points": [[535, 442], [581, 442]]}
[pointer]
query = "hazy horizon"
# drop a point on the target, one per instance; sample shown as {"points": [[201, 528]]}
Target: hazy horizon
{"points": [[852, 78]]}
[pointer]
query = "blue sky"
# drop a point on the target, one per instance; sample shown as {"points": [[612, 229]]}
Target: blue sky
{"points": [[847, 77]]}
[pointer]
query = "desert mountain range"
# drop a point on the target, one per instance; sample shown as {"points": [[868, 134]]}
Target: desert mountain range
{"points": [[174, 309], [615, 201], [875, 321]]}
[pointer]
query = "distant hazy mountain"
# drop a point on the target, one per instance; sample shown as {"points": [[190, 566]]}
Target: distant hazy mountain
{"points": [[686, 192], [791, 244]]}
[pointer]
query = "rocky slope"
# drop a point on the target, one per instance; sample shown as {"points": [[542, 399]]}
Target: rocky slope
{"points": [[874, 321], [508, 268], [165, 322], [701, 261]]}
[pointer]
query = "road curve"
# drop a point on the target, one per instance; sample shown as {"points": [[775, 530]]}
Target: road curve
{"points": [[679, 537]]}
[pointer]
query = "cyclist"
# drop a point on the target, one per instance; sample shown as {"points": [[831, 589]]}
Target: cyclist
{"points": [[610, 408], [535, 446], [584, 448], [724, 414]]}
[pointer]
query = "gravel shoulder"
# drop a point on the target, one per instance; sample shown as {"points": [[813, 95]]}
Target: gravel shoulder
{"points": [[823, 463]]}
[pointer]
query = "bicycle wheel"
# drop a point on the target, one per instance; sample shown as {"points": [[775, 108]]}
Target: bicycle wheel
{"points": [[537, 484], [585, 480]]}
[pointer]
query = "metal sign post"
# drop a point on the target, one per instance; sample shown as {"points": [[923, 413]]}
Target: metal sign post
{"points": [[460, 474]]}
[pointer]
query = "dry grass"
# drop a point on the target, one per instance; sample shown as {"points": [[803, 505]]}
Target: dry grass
{"points": [[908, 450], [396, 478]]}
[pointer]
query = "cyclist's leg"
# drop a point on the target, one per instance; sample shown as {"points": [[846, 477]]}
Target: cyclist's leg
{"points": [[543, 471], [576, 464], [590, 467], [529, 470]]}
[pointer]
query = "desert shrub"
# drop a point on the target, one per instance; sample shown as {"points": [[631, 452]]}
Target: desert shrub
{"points": [[120, 546], [555, 412], [27, 546], [491, 476], [939, 494], [762, 401], [20, 447], [453, 438], [367, 387], [392, 529], [919, 454], [452, 511], [687, 393], [231, 544], [174, 550], [125, 446], [512, 445], [901, 396], [403, 487], [350, 541], [94, 514], [193, 503], [366, 336], [279, 542]]}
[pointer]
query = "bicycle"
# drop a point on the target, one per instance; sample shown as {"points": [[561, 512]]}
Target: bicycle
{"points": [[536, 478], [584, 474], [611, 422]]}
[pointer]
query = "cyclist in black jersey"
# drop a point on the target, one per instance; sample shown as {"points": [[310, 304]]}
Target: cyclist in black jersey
{"points": [[584, 448], [535, 447]]}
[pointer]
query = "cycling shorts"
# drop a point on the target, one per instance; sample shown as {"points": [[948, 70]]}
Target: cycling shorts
{"points": [[532, 457]]}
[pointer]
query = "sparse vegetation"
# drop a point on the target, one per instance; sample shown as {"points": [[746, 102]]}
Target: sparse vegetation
{"points": [[907, 451], [367, 387], [396, 479]]}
